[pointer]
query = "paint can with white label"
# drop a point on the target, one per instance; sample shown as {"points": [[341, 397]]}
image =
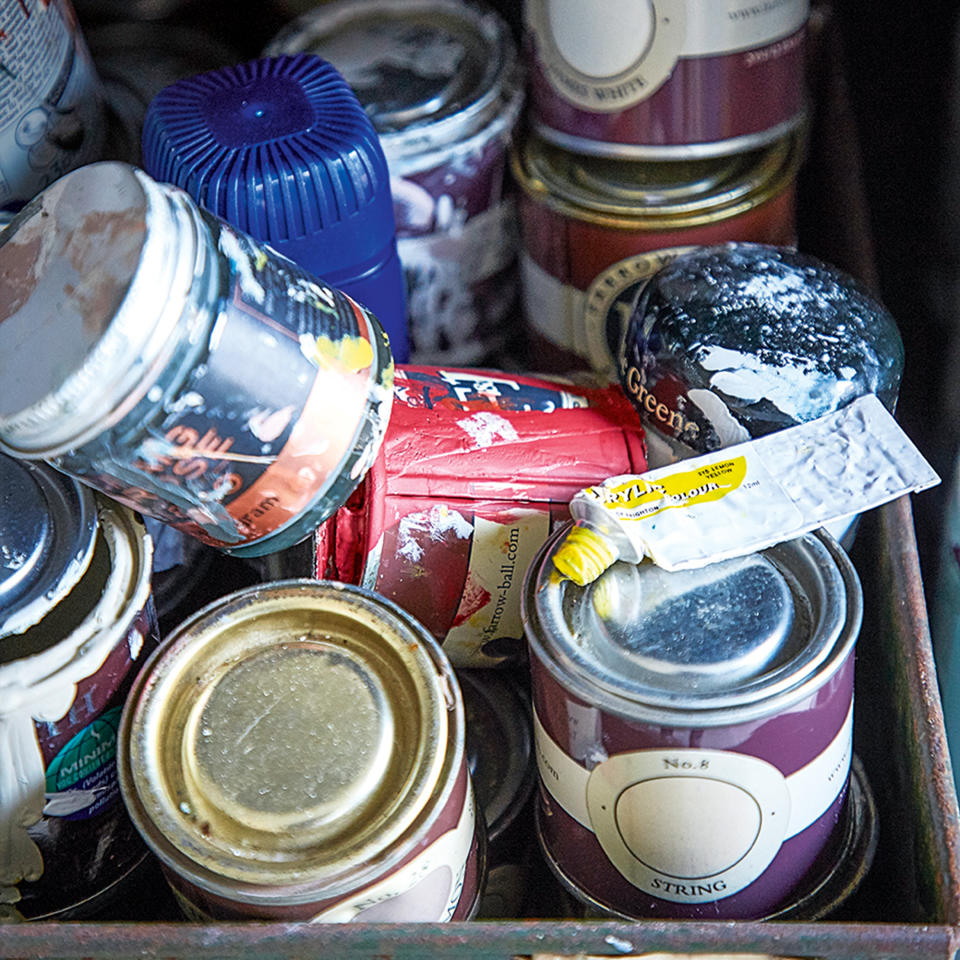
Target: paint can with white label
{"points": [[694, 729], [76, 620], [296, 751], [187, 370], [662, 79]]}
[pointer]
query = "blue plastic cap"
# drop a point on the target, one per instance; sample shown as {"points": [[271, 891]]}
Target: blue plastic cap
{"points": [[282, 149]]}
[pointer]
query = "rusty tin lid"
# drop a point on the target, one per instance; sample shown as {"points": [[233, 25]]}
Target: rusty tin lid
{"points": [[291, 741]]}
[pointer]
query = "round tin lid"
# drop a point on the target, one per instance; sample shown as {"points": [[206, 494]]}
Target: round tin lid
{"points": [[725, 638], [47, 537], [499, 745], [428, 72], [742, 339], [290, 735], [281, 148], [95, 275], [655, 195]]}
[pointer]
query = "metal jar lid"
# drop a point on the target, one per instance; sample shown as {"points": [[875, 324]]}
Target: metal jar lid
{"points": [[748, 338], [291, 742], [97, 269], [47, 536], [730, 642], [663, 195], [429, 72]]}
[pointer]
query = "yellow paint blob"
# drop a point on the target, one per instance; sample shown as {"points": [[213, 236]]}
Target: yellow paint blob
{"points": [[350, 353], [584, 555]]}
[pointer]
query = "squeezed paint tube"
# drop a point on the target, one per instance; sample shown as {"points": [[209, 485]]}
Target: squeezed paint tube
{"points": [[745, 497]]}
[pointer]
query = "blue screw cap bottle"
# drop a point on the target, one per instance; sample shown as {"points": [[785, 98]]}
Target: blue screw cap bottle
{"points": [[281, 148]]}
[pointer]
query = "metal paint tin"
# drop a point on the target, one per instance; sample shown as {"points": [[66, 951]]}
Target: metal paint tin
{"points": [[295, 751], [440, 81], [76, 573], [186, 370], [476, 468], [51, 102], [594, 229], [663, 79], [504, 774], [825, 890], [694, 730]]}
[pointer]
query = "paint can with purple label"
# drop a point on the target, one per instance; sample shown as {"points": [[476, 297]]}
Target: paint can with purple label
{"points": [[185, 369], [665, 79], [296, 751], [694, 729], [440, 81], [77, 619]]}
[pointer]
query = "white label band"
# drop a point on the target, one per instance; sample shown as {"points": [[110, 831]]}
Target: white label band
{"points": [[692, 825]]}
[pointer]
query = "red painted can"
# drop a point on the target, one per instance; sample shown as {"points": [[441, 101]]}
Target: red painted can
{"points": [[595, 229], [658, 79], [476, 469]]}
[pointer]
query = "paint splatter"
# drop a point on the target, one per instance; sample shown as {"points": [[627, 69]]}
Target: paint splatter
{"points": [[486, 429], [434, 525]]}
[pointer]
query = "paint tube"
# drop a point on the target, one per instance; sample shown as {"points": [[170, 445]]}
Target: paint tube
{"points": [[746, 497]]}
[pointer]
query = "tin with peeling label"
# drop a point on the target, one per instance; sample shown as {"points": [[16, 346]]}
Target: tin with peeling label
{"points": [[441, 83], [694, 729], [172, 362], [595, 229], [663, 79], [475, 470], [296, 751], [76, 619]]}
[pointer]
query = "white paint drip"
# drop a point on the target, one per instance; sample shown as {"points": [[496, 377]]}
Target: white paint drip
{"points": [[231, 248], [796, 388], [729, 430], [487, 428], [43, 686], [435, 525]]}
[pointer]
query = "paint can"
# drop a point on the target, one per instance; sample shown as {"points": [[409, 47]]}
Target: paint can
{"points": [[281, 148], [456, 503], [77, 618], [595, 229], [504, 775], [694, 729], [827, 888], [143, 384], [665, 79], [440, 81], [51, 100], [296, 751]]}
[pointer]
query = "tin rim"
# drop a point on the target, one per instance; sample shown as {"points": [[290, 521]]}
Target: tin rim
{"points": [[757, 698], [821, 893], [500, 80], [308, 862], [67, 548], [680, 195], [52, 672]]}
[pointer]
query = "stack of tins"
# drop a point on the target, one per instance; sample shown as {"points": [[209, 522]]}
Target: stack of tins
{"points": [[77, 621], [654, 127]]}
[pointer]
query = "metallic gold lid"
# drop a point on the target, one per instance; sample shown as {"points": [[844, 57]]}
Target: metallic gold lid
{"points": [[291, 735], [654, 195]]}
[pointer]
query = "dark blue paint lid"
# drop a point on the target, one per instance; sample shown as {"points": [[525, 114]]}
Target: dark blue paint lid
{"points": [[47, 534], [281, 148]]}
